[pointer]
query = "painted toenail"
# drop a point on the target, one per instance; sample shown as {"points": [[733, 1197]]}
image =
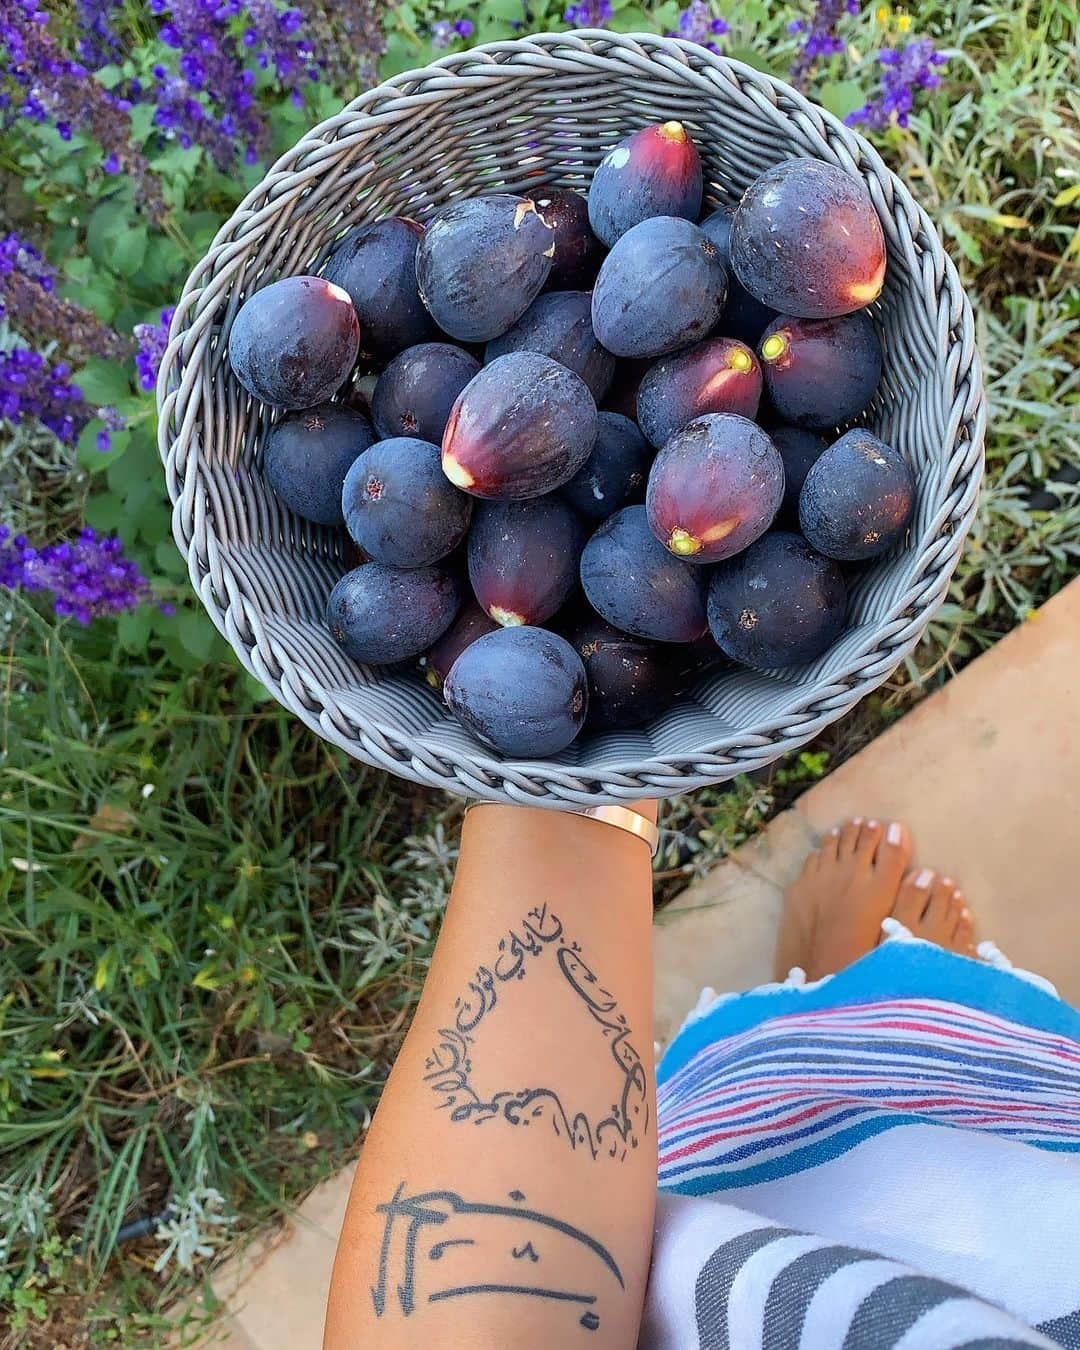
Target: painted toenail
{"points": [[871, 824], [892, 834], [924, 879], [947, 881], [857, 821], [965, 913], [834, 831]]}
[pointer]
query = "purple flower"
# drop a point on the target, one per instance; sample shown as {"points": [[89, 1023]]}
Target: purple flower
{"points": [[31, 388], [16, 255], [697, 24], [88, 576], [29, 303], [207, 100], [40, 83], [114, 420], [905, 72], [152, 340], [444, 32], [821, 36], [589, 14], [98, 44]]}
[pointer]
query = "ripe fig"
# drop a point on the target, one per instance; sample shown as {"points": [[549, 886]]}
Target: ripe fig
{"points": [[521, 428], [714, 488]]}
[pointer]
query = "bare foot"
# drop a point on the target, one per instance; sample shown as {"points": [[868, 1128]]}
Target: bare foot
{"points": [[832, 914], [933, 907]]}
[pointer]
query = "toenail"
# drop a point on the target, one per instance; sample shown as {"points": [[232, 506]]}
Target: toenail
{"points": [[892, 834], [924, 879], [857, 821], [965, 913], [834, 831], [948, 881], [871, 824]]}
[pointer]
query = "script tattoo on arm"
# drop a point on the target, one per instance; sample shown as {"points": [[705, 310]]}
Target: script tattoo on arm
{"points": [[448, 1069], [486, 1249]]}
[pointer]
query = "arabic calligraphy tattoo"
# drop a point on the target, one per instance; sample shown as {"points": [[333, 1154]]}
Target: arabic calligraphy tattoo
{"points": [[449, 1067], [494, 1249]]}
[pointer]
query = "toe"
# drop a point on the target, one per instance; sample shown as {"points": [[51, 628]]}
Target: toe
{"points": [[893, 852], [911, 898], [849, 838], [936, 924], [870, 835], [826, 852], [963, 939]]}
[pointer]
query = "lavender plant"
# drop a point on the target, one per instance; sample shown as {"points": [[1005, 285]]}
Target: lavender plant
{"points": [[42, 84], [88, 577], [819, 37], [905, 72], [205, 94], [697, 23]]}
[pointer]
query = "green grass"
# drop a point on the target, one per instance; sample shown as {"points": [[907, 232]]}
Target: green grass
{"points": [[213, 926]]}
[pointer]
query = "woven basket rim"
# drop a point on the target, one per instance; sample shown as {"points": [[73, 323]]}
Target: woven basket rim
{"points": [[478, 771]]}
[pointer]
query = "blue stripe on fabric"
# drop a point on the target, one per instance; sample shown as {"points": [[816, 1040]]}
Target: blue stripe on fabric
{"points": [[810, 1048], [1051, 1126], [717, 1177], [798, 1160], [749, 1147], [893, 970], [719, 1080]]}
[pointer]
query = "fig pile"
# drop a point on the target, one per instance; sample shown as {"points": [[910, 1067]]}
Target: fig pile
{"points": [[587, 447]]}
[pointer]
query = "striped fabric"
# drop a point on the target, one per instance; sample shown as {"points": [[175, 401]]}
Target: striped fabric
{"points": [[804, 1085], [889, 1157], [821, 1068]]}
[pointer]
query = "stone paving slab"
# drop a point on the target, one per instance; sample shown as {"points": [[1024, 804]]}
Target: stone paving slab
{"points": [[986, 772]]}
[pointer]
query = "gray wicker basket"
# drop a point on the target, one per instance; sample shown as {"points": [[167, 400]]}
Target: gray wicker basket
{"points": [[501, 118]]}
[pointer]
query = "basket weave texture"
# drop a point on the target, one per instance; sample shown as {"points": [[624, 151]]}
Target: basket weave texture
{"points": [[512, 115]]}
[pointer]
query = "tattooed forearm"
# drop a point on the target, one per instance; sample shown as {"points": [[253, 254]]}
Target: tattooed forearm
{"points": [[486, 1249], [448, 1069]]}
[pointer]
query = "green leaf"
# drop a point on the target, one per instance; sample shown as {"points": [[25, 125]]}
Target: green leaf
{"points": [[630, 20], [968, 244], [129, 250], [257, 691], [503, 9], [87, 453], [666, 16], [842, 97], [113, 241], [96, 293], [169, 560], [109, 76], [402, 53], [104, 381], [155, 522], [752, 57], [142, 121], [200, 228], [196, 632], [1068, 195], [133, 630], [992, 217], [105, 513]]}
